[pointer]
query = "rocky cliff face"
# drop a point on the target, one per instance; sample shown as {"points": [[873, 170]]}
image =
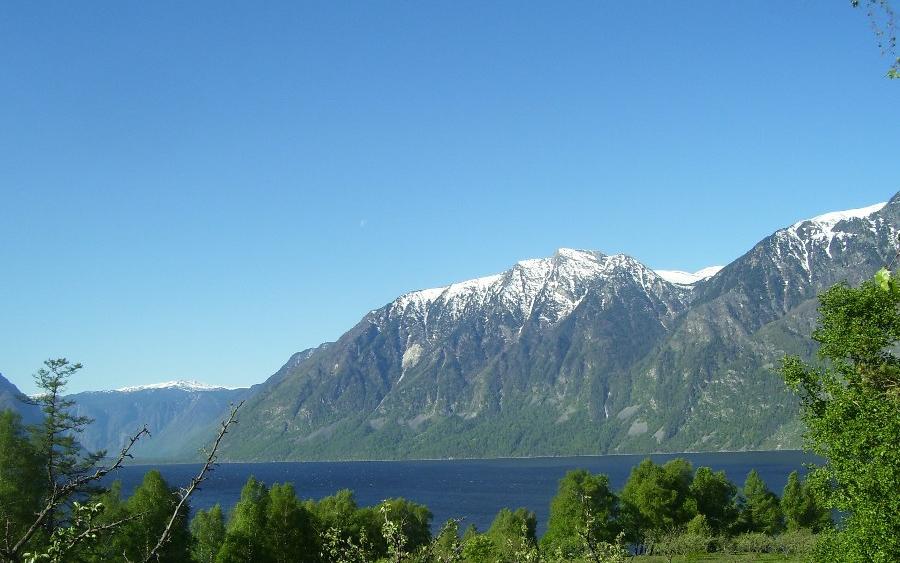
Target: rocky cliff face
{"points": [[581, 352]]}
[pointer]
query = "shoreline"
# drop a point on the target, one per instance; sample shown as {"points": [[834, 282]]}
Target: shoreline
{"points": [[147, 463]]}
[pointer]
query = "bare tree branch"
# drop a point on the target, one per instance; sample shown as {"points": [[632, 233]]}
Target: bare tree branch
{"points": [[59, 493], [91, 530], [195, 482]]}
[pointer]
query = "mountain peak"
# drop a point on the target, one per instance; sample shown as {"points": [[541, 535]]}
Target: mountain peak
{"points": [[680, 277], [181, 384], [827, 221]]}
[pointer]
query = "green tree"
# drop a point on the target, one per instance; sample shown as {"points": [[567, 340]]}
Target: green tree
{"points": [[339, 512], [513, 531], [151, 507], [658, 497], [714, 498], [802, 507], [413, 522], [479, 548], [447, 547], [55, 438], [20, 492], [850, 407], [208, 533], [289, 528], [245, 537], [114, 509], [760, 510], [584, 508]]}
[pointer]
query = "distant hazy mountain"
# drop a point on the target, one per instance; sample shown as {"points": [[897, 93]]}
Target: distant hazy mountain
{"points": [[11, 398], [578, 353], [177, 413]]}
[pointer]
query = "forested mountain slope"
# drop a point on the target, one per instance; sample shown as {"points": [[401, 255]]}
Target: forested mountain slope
{"points": [[578, 353]]}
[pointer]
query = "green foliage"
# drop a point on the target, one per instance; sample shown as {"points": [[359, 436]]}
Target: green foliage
{"points": [[583, 508], [79, 533], [714, 499], [796, 543], [340, 512], [447, 547], [20, 490], [151, 506], [699, 526], [803, 507], [290, 534], [408, 520], [55, 437], [513, 532], [760, 510], [245, 535], [208, 530], [850, 407], [479, 548], [751, 542], [337, 548], [658, 497], [673, 542]]}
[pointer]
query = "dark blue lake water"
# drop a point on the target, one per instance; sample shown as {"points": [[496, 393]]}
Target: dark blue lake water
{"points": [[474, 489]]}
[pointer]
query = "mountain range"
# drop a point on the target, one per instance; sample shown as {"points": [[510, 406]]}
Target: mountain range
{"points": [[578, 353]]}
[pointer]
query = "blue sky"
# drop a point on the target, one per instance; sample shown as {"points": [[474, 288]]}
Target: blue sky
{"points": [[197, 190]]}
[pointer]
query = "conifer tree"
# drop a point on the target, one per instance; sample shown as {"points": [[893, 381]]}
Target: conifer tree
{"points": [[20, 491], [55, 438], [761, 511]]}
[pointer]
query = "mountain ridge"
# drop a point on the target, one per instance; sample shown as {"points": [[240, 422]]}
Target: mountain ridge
{"points": [[580, 352]]}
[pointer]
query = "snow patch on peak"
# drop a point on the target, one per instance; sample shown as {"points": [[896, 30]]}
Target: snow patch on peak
{"points": [[827, 221], [687, 278], [183, 385], [578, 254], [821, 229]]}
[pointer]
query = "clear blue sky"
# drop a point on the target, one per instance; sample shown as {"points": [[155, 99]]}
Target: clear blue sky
{"points": [[199, 189]]}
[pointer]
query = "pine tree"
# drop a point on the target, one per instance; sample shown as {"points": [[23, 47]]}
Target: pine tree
{"points": [[20, 492], [761, 511], [55, 439]]}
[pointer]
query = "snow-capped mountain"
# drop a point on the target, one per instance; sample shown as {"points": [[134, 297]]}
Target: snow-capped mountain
{"points": [[579, 352], [181, 384], [680, 277], [176, 413]]}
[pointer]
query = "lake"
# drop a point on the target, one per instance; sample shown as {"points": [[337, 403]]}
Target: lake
{"points": [[475, 489]]}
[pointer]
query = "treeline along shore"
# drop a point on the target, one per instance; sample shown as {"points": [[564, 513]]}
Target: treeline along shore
{"points": [[663, 510]]}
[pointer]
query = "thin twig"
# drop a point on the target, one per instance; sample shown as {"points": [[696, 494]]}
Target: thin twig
{"points": [[195, 482]]}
